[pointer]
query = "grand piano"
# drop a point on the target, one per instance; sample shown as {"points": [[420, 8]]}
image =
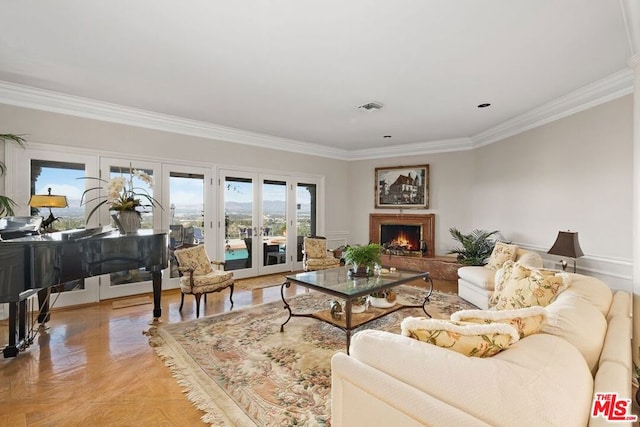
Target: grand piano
{"points": [[34, 262]]}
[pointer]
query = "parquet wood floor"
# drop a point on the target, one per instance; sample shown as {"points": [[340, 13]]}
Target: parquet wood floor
{"points": [[93, 366]]}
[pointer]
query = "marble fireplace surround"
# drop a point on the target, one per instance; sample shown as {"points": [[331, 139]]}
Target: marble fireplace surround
{"points": [[425, 221], [439, 267]]}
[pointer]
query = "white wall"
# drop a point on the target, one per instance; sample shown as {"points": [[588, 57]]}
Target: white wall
{"points": [[451, 177], [574, 173]]}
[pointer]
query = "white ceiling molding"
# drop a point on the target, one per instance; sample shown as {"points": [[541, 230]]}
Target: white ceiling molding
{"points": [[39, 99], [431, 147], [607, 89]]}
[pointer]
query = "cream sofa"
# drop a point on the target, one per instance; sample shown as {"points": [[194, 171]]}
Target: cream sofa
{"points": [[476, 283], [546, 379]]}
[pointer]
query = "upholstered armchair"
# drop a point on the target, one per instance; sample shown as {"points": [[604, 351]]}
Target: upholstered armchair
{"points": [[198, 275], [316, 256]]}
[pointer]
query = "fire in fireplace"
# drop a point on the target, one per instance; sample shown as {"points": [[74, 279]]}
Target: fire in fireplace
{"points": [[400, 239], [404, 234]]}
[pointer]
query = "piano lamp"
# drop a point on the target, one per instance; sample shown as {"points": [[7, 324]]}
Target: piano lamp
{"points": [[48, 201], [567, 245]]}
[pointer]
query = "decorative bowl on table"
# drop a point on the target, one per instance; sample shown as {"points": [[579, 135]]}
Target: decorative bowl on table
{"points": [[359, 305], [384, 299]]}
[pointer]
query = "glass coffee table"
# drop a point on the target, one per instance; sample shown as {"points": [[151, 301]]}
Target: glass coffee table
{"points": [[338, 282]]}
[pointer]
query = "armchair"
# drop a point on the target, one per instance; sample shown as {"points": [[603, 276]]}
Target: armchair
{"points": [[316, 256], [198, 276]]}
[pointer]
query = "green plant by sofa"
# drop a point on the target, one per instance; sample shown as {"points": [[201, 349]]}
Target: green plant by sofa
{"points": [[476, 246], [7, 204], [363, 257]]}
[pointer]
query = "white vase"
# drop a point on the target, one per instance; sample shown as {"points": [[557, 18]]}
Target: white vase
{"points": [[130, 221]]}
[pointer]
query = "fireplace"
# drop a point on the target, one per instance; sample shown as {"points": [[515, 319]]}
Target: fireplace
{"points": [[405, 235]]}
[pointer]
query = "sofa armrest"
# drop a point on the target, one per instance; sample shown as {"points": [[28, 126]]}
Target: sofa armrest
{"points": [[362, 395]]}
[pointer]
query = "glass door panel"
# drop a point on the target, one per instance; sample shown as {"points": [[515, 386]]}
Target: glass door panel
{"points": [[131, 282], [240, 230], [305, 215], [186, 213], [63, 178], [274, 224]]}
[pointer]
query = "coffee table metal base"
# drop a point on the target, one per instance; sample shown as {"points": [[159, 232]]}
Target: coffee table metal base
{"points": [[348, 325]]}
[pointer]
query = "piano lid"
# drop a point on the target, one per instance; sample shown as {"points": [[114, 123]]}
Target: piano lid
{"points": [[18, 226]]}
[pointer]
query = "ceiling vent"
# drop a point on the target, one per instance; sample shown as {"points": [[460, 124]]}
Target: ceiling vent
{"points": [[371, 106]]}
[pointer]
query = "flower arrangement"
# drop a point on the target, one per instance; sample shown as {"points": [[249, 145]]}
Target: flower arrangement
{"points": [[121, 194]]}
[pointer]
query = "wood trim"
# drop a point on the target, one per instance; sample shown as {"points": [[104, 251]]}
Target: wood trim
{"points": [[427, 221]]}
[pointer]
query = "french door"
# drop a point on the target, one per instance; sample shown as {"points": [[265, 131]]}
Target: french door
{"points": [[187, 190], [59, 172], [130, 282], [264, 222]]}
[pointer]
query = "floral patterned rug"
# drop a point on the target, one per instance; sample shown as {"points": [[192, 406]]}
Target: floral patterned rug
{"points": [[240, 370]]}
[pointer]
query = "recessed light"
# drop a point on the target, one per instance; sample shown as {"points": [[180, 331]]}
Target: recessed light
{"points": [[485, 105], [387, 136]]}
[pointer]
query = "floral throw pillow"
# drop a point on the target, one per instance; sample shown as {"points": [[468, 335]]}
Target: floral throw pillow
{"points": [[518, 286], [502, 252], [470, 339], [527, 321]]}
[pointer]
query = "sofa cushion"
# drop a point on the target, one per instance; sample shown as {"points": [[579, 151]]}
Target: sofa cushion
{"points": [[591, 289], [529, 258], [527, 321], [520, 287], [479, 276], [578, 322], [502, 252], [470, 339]]}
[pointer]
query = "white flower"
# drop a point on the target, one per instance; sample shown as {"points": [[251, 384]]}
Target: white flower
{"points": [[144, 177], [114, 187]]}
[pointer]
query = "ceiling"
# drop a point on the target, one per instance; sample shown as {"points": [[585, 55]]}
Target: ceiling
{"points": [[290, 74]]}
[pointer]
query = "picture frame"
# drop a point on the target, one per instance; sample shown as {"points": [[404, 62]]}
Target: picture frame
{"points": [[402, 187]]}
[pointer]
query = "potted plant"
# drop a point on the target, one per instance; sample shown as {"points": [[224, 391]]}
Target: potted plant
{"points": [[7, 204], [476, 246], [364, 258], [123, 197]]}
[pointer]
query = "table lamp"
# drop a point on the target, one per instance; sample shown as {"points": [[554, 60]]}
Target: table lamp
{"points": [[48, 201], [567, 245]]}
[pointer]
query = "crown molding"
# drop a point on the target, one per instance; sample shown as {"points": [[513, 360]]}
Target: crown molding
{"points": [[56, 102], [601, 91], [607, 89], [430, 147]]}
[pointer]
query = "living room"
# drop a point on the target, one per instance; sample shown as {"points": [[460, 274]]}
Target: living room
{"points": [[567, 164]]}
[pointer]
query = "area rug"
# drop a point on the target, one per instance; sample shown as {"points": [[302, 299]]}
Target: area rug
{"points": [[241, 370], [261, 282]]}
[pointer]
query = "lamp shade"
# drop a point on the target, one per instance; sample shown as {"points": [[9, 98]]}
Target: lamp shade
{"points": [[566, 244], [48, 201]]}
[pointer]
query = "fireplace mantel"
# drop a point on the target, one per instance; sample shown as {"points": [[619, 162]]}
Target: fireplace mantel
{"points": [[427, 221]]}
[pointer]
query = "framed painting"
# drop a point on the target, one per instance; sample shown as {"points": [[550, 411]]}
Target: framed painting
{"points": [[402, 187]]}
